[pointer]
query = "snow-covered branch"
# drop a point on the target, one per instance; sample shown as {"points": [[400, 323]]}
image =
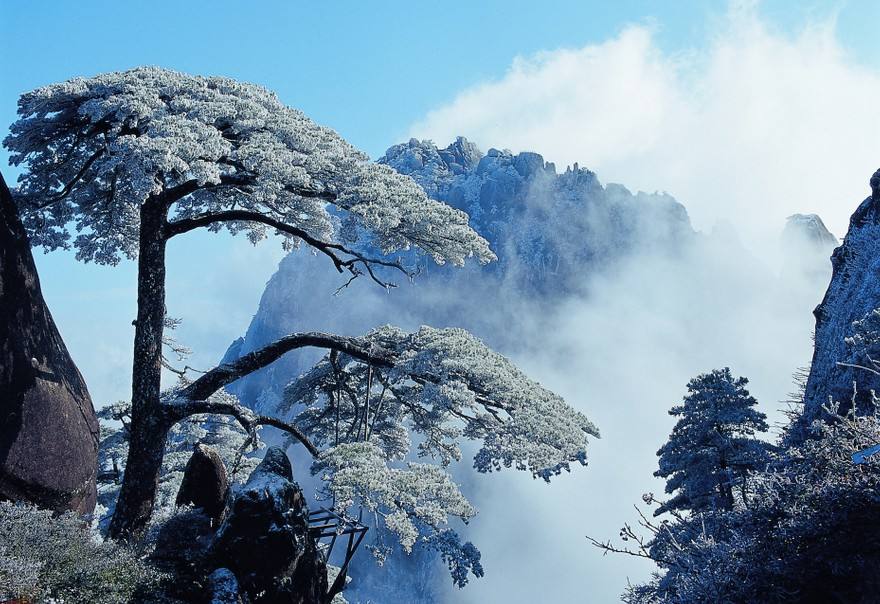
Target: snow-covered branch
{"points": [[227, 373], [181, 408], [343, 258]]}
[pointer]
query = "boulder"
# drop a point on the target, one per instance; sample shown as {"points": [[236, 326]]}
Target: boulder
{"points": [[264, 539], [48, 428], [182, 551], [224, 587], [205, 483]]}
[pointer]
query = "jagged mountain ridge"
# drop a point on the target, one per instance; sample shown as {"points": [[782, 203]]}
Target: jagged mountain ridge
{"points": [[544, 226], [550, 231]]}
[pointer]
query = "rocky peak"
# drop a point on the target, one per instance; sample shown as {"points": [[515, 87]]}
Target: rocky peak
{"points": [[808, 229], [854, 291]]}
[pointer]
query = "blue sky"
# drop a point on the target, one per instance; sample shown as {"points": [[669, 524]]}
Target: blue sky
{"points": [[370, 70]]}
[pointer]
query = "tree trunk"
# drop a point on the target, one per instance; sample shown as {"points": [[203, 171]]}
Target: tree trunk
{"points": [[149, 425]]}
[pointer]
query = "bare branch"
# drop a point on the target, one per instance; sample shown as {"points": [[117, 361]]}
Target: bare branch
{"points": [[343, 258]]}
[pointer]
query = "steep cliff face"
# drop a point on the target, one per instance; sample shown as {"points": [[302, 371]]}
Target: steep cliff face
{"points": [[854, 291], [48, 428]]}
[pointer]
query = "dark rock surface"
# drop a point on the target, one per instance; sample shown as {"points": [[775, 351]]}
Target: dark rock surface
{"points": [[205, 483], [224, 587], [182, 552], [265, 539], [48, 428], [853, 292]]}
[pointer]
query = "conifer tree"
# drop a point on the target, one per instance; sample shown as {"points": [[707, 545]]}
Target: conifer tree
{"points": [[712, 446]]}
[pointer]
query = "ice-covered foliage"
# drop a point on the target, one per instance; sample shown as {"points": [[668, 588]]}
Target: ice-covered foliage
{"points": [[807, 533], [419, 493], [221, 432], [461, 558], [444, 385], [435, 387], [47, 558], [712, 447], [97, 148]]}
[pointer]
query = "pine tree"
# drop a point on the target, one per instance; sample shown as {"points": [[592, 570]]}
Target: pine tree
{"points": [[712, 446]]}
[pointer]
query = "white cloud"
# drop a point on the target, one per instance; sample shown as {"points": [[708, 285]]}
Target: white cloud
{"points": [[751, 128]]}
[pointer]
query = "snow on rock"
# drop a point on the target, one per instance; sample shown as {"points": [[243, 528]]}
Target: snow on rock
{"points": [[808, 228], [264, 539], [854, 292]]}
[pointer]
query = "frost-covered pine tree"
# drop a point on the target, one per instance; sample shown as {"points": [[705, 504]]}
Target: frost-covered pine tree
{"points": [[443, 386], [712, 446], [119, 164]]}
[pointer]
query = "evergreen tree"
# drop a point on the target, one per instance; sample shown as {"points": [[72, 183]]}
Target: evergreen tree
{"points": [[712, 446]]}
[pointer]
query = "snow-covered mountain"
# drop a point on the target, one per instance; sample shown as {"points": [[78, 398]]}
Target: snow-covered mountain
{"points": [[551, 231], [808, 229], [853, 292]]}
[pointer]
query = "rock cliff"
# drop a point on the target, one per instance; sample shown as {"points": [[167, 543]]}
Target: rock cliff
{"points": [[48, 428]]}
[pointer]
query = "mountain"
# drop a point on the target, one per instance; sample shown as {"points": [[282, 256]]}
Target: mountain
{"points": [[853, 292], [547, 228], [552, 232], [807, 229], [806, 246]]}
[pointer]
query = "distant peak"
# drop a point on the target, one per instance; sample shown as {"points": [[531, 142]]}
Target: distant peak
{"points": [[808, 228]]}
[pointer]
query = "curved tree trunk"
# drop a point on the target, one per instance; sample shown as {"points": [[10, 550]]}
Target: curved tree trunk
{"points": [[149, 425]]}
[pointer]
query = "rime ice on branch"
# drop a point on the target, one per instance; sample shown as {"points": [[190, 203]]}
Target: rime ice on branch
{"points": [[223, 154], [119, 164]]}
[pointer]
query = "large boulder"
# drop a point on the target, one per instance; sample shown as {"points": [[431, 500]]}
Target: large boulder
{"points": [[264, 539], [224, 587], [48, 428], [853, 292], [205, 483], [182, 551]]}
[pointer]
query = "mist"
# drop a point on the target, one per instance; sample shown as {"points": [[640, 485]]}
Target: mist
{"points": [[750, 126], [756, 125], [623, 356]]}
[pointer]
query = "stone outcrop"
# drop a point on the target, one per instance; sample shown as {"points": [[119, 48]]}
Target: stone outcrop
{"points": [[48, 428], [205, 483], [224, 587], [264, 540], [853, 292]]}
